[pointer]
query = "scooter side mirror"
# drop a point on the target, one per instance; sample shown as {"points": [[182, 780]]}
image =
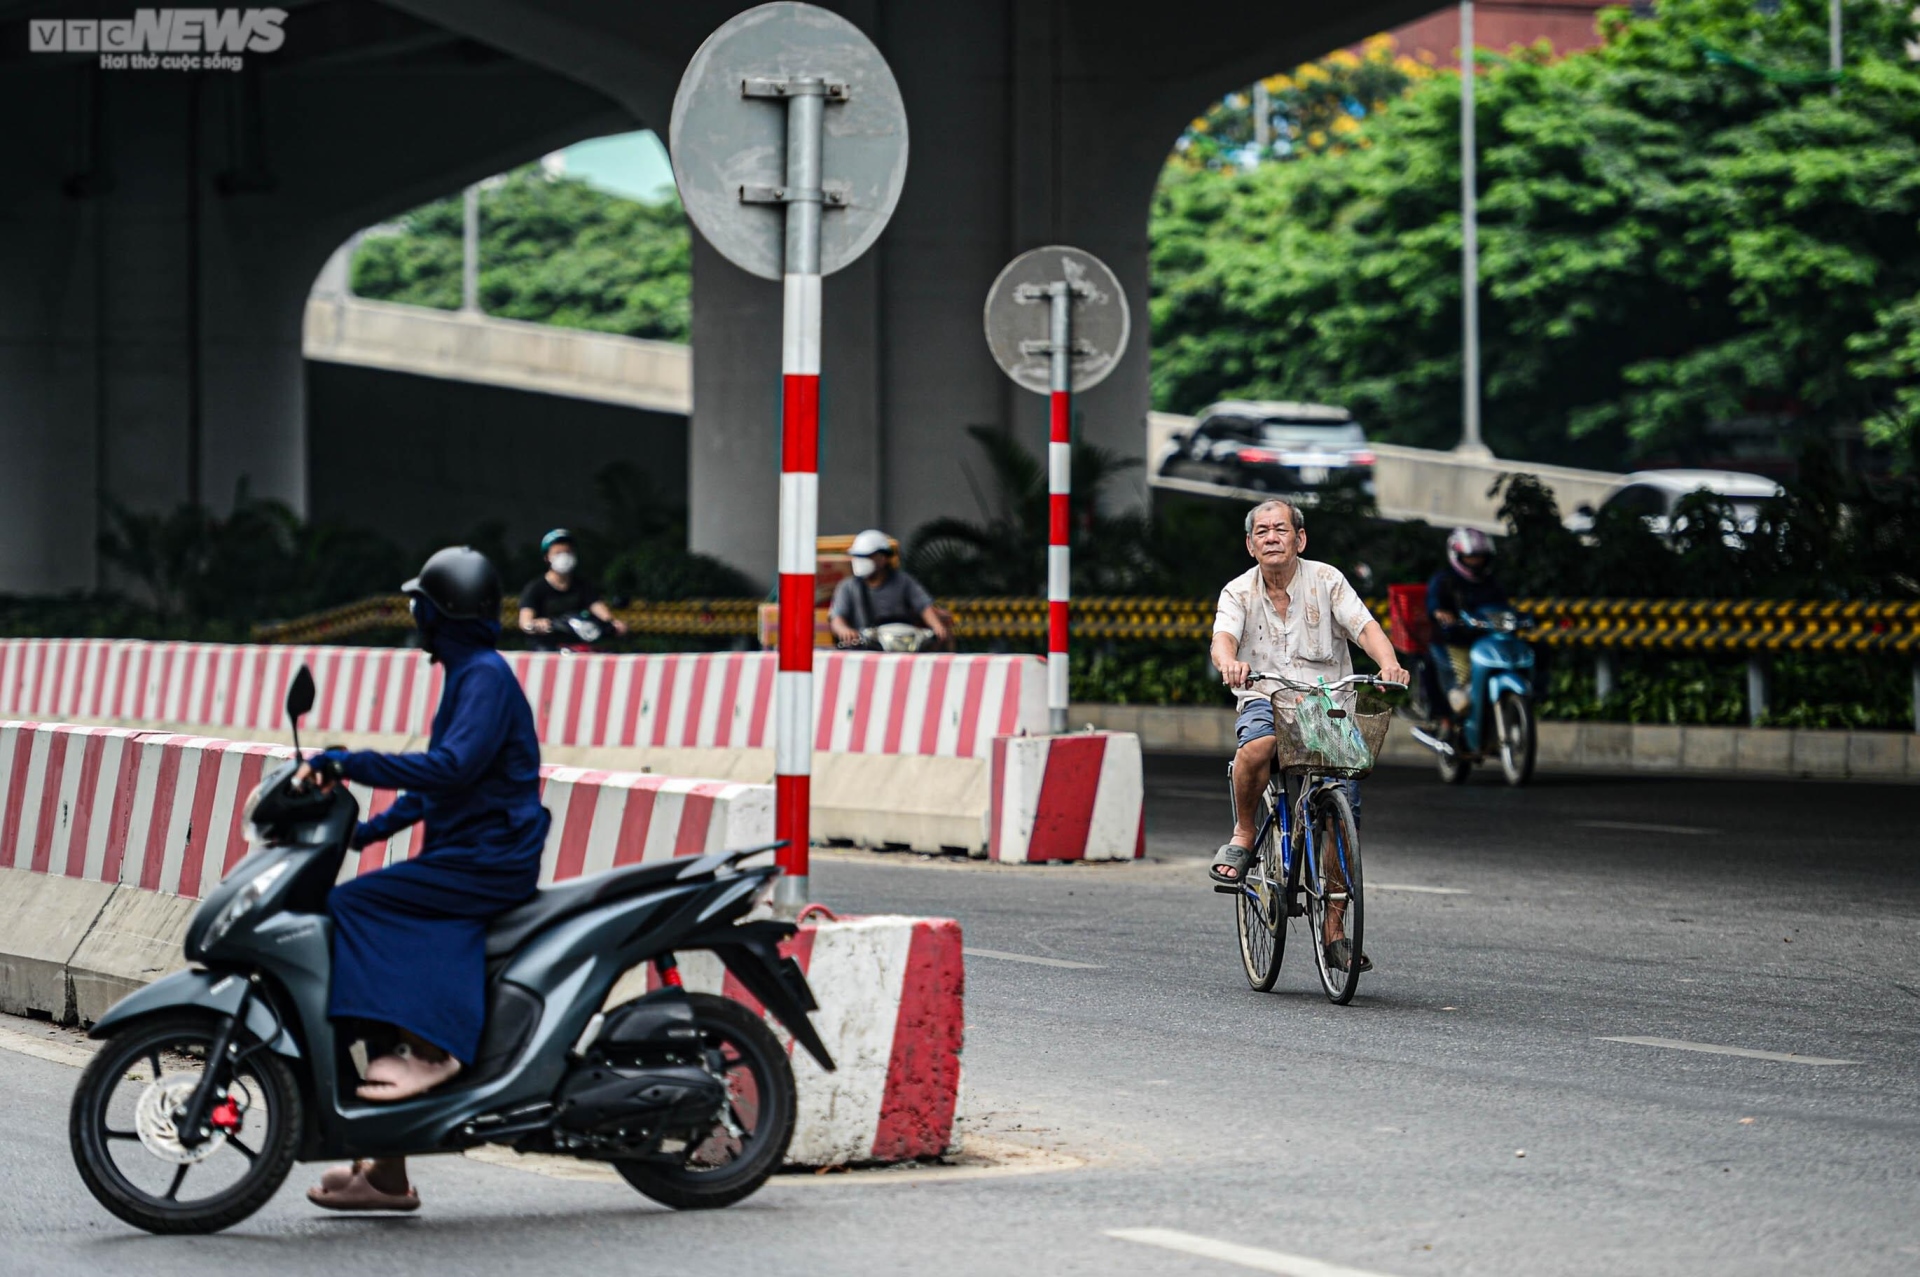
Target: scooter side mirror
{"points": [[300, 696]]}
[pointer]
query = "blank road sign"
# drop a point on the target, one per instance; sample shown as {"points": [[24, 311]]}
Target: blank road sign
{"points": [[1016, 318], [728, 137]]}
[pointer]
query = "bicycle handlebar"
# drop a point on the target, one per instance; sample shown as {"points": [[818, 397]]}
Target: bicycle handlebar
{"points": [[1351, 680]]}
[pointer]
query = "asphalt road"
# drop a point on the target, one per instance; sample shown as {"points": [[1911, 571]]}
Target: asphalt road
{"points": [[1467, 1114]]}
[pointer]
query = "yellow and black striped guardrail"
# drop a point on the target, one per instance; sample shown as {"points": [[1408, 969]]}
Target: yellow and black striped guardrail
{"points": [[1729, 626]]}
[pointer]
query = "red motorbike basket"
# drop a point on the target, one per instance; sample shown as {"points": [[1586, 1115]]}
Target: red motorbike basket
{"points": [[1411, 628]]}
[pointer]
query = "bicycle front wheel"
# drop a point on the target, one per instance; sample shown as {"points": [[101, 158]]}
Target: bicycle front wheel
{"points": [[1336, 911], [1261, 915]]}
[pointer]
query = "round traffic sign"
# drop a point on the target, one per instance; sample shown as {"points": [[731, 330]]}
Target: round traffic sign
{"points": [[1017, 316], [728, 137]]}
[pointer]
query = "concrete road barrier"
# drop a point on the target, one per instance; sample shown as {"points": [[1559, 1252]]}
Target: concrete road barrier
{"points": [[108, 838], [1075, 797], [902, 742], [892, 994]]}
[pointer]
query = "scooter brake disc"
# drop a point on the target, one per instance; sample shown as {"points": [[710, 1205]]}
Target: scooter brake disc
{"points": [[153, 1119]]}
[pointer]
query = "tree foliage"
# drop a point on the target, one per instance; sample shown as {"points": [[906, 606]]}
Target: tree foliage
{"points": [[1314, 110], [1678, 228], [553, 250]]}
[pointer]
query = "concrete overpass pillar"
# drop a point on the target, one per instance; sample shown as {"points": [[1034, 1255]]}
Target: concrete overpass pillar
{"points": [[145, 360]]}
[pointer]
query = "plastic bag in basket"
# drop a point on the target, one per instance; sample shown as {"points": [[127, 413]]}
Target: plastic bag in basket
{"points": [[1330, 735]]}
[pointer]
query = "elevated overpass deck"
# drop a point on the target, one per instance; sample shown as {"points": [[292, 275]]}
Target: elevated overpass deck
{"points": [[460, 346]]}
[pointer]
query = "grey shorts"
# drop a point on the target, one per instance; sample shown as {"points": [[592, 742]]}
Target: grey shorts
{"points": [[1254, 721]]}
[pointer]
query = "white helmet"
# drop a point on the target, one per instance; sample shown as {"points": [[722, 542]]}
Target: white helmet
{"points": [[1466, 543], [872, 541]]}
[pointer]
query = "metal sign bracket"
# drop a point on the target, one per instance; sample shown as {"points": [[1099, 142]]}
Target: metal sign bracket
{"points": [[829, 195], [766, 86]]}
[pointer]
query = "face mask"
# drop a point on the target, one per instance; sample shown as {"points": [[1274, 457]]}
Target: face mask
{"points": [[863, 568], [563, 563]]}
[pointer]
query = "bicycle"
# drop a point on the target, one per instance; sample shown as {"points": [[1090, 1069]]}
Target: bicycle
{"points": [[1307, 846]]}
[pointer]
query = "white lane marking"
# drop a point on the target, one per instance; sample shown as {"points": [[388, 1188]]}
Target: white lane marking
{"points": [[1409, 886], [1675, 1044], [1639, 827], [1265, 1261], [52, 1049], [1027, 957]]}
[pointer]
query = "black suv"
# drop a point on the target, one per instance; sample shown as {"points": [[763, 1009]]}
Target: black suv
{"points": [[1269, 446]]}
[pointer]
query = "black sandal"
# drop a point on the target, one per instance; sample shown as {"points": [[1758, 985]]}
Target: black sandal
{"points": [[1230, 856], [1340, 952]]}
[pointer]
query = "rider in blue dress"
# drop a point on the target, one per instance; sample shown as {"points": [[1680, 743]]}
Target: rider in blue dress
{"points": [[409, 941]]}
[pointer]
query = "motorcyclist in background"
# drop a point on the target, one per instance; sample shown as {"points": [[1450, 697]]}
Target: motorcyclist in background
{"points": [[881, 593], [560, 591], [1464, 585]]}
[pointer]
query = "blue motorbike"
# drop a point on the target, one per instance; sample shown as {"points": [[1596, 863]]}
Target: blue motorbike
{"points": [[1495, 723]]}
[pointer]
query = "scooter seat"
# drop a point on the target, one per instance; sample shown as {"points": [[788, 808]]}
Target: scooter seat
{"points": [[554, 904]]}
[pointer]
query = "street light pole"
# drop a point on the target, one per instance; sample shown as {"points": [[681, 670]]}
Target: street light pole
{"points": [[1470, 441], [1833, 43], [470, 252]]}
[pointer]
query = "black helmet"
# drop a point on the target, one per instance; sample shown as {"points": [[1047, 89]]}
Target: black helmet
{"points": [[460, 582]]}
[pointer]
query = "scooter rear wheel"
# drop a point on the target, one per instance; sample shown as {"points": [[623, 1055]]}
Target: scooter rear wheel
{"points": [[130, 1155], [729, 1160]]}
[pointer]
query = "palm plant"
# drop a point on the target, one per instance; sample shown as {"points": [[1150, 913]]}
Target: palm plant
{"points": [[1005, 552]]}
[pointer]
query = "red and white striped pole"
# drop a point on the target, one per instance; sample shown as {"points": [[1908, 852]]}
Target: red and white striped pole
{"points": [[799, 490], [1059, 497]]}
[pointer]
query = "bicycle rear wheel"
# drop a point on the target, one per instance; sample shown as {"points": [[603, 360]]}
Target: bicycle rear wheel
{"points": [[1260, 914], [1335, 901]]}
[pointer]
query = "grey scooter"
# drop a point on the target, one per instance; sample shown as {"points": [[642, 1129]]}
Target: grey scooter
{"points": [[210, 1083]]}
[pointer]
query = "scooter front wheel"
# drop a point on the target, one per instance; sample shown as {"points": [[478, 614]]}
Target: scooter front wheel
{"points": [[124, 1128], [1513, 719], [722, 1162]]}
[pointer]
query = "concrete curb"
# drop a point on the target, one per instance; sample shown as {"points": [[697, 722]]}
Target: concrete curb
{"points": [[44, 918], [1788, 753]]}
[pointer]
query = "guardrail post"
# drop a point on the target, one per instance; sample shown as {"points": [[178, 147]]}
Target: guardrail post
{"points": [[1759, 688], [1603, 675]]}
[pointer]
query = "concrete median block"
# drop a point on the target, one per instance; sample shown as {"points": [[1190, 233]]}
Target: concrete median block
{"points": [[1606, 745], [1112, 718], [891, 800], [892, 994], [44, 917], [1559, 743], [1820, 755], [1656, 746], [138, 937], [1707, 749], [1080, 796], [1763, 751], [1877, 755]]}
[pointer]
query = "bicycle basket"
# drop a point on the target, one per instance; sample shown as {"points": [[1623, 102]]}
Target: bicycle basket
{"points": [[1316, 736]]}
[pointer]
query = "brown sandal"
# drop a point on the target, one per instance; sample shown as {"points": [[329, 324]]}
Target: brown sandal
{"points": [[347, 1188]]}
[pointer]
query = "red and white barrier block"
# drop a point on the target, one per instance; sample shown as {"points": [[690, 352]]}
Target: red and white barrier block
{"points": [[1074, 797], [892, 993]]}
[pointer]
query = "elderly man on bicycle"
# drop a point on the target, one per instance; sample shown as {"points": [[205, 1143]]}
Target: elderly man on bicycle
{"points": [[1292, 617]]}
